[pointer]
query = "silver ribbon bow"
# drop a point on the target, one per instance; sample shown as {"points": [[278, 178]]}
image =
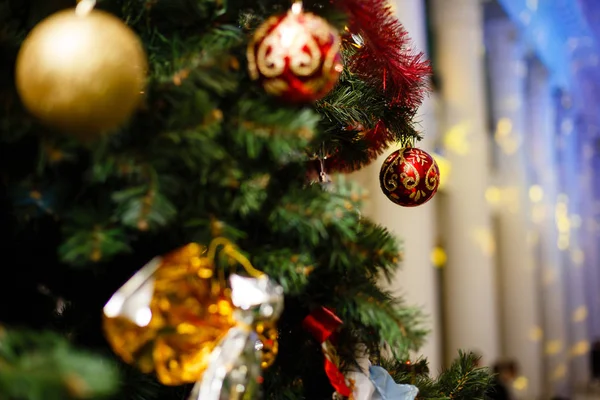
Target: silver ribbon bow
{"points": [[234, 368]]}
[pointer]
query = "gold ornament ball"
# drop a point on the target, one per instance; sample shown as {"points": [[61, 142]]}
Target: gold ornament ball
{"points": [[82, 74]]}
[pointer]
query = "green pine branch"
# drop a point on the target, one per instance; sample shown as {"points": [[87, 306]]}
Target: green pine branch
{"points": [[387, 317], [260, 125], [90, 237], [463, 380], [43, 366], [354, 107]]}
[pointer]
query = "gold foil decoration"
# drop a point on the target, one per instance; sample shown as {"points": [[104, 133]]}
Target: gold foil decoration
{"points": [[267, 334], [234, 372], [177, 317], [170, 316]]}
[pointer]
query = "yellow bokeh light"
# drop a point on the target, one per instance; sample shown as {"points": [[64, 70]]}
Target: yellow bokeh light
{"points": [[561, 208], [521, 383], [493, 195], [580, 348], [536, 334], [577, 257], [580, 314], [563, 224], [559, 372], [485, 240], [554, 347], [445, 167], [564, 242], [456, 139], [536, 193], [505, 137], [438, 257], [504, 127], [510, 146]]}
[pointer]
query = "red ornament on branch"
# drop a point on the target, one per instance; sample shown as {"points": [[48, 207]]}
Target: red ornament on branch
{"points": [[295, 56], [409, 177], [386, 59]]}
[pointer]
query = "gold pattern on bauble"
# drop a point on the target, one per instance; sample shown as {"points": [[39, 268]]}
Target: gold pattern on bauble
{"points": [[82, 74]]}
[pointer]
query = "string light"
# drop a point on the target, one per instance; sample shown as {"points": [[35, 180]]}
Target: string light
{"points": [[580, 314], [536, 193]]}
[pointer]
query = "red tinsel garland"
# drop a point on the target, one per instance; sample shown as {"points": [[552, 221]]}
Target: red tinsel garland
{"points": [[387, 59], [377, 139]]}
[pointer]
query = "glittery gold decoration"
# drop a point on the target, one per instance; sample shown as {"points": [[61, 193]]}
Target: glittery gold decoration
{"points": [[170, 316], [457, 139], [295, 56], [234, 372], [267, 333], [81, 71]]}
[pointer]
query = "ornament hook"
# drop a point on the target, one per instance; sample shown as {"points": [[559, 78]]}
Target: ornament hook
{"points": [[297, 7], [231, 251], [84, 7], [323, 177], [322, 173]]}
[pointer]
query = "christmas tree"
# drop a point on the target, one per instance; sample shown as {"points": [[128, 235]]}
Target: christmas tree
{"points": [[190, 150]]}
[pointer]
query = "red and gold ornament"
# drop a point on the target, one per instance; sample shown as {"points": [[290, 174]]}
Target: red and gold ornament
{"points": [[409, 177], [295, 56]]}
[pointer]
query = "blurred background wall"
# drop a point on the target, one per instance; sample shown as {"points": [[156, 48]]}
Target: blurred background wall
{"points": [[504, 259]]}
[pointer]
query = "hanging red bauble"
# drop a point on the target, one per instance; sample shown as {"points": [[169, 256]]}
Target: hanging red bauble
{"points": [[409, 177], [295, 56]]}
